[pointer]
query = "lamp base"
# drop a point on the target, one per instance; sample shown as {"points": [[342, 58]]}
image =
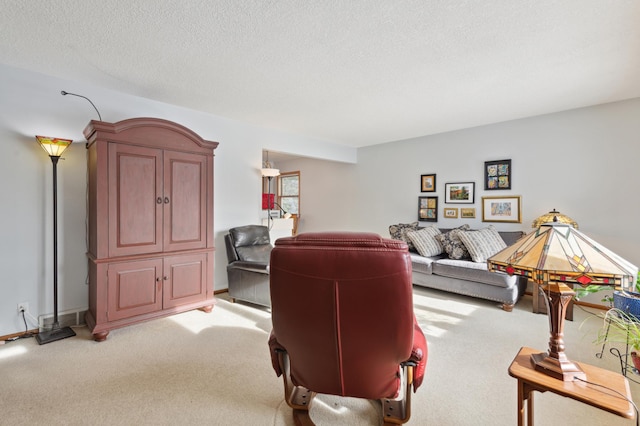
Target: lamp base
{"points": [[55, 334], [565, 370]]}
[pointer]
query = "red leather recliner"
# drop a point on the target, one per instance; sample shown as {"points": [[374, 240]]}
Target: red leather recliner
{"points": [[343, 321]]}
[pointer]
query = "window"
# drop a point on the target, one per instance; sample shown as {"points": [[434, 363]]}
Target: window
{"points": [[289, 192]]}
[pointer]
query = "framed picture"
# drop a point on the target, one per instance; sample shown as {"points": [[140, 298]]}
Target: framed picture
{"points": [[497, 175], [459, 193], [468, 213], [428, 209], [501, 209], [428, 183], [450, 213]]}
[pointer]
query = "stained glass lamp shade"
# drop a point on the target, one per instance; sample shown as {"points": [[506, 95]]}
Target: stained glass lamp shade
{"points": [[53, 146], [558, 256], [554, 216]]}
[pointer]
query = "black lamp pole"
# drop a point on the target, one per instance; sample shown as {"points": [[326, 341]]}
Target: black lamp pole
{"points": [[269, 220], [56, 333]]}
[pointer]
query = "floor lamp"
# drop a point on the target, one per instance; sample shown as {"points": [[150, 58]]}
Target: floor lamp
{"points": [[54, 147], [269, 172]]}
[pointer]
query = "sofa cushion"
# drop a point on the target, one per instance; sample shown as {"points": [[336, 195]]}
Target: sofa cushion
{"points": [[483, 243], [425, 242], [399, 232], [423, 264], [452, 245], [472, 271]]}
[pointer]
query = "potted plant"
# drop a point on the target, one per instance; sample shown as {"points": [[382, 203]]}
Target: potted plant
{"points": [[621, 327], [628, 301], [625, 300]]}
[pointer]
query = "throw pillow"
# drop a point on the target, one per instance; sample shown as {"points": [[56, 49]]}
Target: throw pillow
{"points": [[399, 232], [483, 243], [452, 244], [425, 242]]}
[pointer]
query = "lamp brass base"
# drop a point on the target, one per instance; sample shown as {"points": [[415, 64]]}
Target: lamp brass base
{"points": [[54, 335], [566, 370]]}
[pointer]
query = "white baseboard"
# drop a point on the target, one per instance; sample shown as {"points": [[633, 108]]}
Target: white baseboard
{"points": [[66, 319]]}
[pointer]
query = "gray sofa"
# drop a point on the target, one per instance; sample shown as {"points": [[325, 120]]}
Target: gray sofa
{"points": [[464, 276]]}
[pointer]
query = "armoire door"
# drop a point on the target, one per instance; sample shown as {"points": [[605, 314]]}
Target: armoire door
{"points": [[184, 279], [185, 201], [134, 288], [135, 200]]}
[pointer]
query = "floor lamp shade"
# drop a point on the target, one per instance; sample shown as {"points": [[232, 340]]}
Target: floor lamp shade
{"points": [[54, 147], [558, 257]]}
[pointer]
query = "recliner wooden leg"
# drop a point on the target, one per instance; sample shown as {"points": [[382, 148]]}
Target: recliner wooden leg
{"points": [[394, 411], [302, 418], [297, 397], [398, 411]]}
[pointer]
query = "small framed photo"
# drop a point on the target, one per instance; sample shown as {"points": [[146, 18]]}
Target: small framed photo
{"points": [[428, 183], [497, 175], [428, 209], [501, 209], [468, 213], [450, 213], [459, 193]]}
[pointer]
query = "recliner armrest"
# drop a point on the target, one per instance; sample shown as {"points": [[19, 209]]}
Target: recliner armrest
{"points": [[261, 268]]}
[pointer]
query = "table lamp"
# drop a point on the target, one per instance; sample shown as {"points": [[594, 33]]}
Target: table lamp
{"points": [[558, 256]]}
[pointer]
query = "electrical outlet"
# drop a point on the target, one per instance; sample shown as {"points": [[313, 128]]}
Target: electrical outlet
{"points": [[23, 307]]}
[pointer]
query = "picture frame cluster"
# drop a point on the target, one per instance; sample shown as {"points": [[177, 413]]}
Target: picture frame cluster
{"points": [[497, 176]]}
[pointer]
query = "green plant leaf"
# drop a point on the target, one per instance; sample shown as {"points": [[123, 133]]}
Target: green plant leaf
{"points": [[619, 327]]}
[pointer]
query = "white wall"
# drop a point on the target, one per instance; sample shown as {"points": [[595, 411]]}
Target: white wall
{"points": [[584, 163], [31, 104], [327, 194]]}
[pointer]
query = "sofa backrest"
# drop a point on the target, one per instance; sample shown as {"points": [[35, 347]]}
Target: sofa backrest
{"points": [[509, 237]]}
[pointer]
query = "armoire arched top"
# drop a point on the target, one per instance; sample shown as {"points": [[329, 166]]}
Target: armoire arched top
{"points": [[147, 131]]}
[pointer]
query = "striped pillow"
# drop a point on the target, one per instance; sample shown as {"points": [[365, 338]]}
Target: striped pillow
{"points": [[425, 242], [483, 243]]}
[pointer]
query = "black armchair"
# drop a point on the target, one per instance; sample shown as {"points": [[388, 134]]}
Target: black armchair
{"points": [[248, 251]]}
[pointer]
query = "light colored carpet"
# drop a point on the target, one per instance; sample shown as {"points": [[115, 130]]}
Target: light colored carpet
{"points": [[214, 369]]}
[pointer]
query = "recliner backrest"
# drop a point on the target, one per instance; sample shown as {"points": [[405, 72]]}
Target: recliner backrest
{"points": [[251, 243], [342, 308]]}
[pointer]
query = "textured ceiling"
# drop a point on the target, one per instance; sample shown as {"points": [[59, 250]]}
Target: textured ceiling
{"points": [[354, 72]]}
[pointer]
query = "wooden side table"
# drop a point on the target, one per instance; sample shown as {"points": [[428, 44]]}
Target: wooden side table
{"points": [[530, 380]]}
